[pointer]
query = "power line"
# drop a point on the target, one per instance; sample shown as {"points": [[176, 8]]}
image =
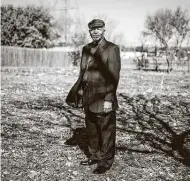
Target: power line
{"points": [[64, 6]]}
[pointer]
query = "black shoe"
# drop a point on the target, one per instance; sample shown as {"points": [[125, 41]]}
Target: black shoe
{"points": [[101, 170], [89, 162], [71, 142]]}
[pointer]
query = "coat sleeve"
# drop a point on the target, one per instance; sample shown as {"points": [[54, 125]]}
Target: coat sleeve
{"points": [[114, 66], [82, 62]]}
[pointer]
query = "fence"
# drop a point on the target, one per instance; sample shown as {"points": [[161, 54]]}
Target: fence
{"points": [[28, 57], [142, 60]]}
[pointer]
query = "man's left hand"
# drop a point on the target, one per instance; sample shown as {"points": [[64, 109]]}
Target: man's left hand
{"points": [[80, 92], [107, 106]]}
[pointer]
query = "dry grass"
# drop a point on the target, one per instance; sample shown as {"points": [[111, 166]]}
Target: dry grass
{"points": [[152, 120]]}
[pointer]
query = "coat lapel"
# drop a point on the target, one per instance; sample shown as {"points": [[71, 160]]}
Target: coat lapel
{"points": [[101, 48]]}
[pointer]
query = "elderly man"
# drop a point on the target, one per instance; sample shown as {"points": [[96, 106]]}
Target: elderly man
{"points": [[97, 85]]}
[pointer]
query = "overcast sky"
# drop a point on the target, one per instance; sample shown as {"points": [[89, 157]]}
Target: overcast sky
{"points": [[128, 15]]}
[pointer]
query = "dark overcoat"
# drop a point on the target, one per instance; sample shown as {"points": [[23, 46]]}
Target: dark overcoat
{"points": [[103, 77]]}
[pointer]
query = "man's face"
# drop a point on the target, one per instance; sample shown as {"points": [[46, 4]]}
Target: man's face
{"points": [[97, 33]]}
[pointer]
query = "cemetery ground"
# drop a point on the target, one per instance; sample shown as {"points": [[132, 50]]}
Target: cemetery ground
{"points": [[153, 127]]}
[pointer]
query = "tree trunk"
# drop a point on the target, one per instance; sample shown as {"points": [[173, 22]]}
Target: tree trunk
{"points": [[168, 61], [188, 62], [155, 63]]}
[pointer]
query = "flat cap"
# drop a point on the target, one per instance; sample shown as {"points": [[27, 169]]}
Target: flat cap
{"points": [[96, 23]]}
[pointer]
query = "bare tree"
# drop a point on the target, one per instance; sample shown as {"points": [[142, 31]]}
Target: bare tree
{"points": [[188, 52], [170, 29], [159, 26], [181, 29], [180, 23]]}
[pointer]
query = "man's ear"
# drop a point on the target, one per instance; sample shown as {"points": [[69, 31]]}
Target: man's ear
{"points": [[104, 29]]}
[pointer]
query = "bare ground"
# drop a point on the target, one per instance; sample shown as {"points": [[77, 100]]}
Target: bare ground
{"points": [[153, 122]]}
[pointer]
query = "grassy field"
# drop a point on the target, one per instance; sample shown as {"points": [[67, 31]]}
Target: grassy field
{"points": [[153, 121]]}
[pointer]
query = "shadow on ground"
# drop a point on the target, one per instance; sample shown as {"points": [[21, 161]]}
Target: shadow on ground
{"points": [[157, 124], [152, 125]]}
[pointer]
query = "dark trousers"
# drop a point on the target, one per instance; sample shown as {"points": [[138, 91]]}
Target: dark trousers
{"points": [[101, 133]]}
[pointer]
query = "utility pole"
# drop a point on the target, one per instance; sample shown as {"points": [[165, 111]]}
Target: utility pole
{"points": [[64, 6], [188, 53]]}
